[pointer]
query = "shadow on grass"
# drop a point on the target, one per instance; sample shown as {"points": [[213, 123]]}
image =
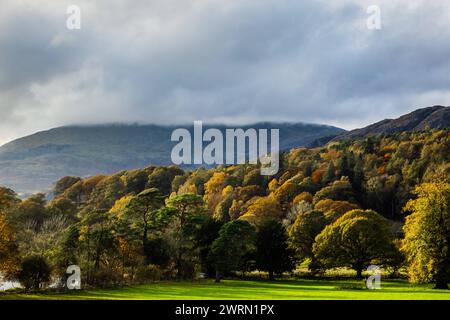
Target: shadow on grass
{"points": [[248, 289]]}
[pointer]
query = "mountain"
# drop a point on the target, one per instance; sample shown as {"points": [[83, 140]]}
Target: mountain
{"points": [[35, 162], [437, 117]]}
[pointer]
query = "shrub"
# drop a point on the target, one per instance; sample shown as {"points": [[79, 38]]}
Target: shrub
{"points": [[35, 273], [149, 273]]}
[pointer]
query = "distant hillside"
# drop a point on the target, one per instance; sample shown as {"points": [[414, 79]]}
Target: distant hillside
{"points": [[35, 162], [437, 117]]}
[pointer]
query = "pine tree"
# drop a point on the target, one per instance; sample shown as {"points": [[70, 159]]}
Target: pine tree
{"points": [[330, 174]]}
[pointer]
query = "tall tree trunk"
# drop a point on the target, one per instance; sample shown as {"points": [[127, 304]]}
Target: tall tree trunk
{"points": [[271, 277], [441, 282], [217, 276], [144, 237], [441, 276], [359, 273], [441, 285]]}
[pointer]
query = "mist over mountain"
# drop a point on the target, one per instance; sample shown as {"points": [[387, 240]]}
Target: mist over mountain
{"points": [[33, 163]]}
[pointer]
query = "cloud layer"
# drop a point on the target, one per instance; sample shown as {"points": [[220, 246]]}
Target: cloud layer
{"points": [[234, 61]]}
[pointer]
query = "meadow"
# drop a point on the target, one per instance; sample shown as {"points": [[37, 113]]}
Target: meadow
{"points": [[252, 290]]}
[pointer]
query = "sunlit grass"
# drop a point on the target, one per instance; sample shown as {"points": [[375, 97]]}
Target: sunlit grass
{"points": [[240, 289]]}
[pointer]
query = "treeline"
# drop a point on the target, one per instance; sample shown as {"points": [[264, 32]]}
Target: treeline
{"points": [[343, 205]]}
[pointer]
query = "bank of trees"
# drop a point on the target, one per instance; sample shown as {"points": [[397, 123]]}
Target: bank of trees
{"points": [[337, 206]]}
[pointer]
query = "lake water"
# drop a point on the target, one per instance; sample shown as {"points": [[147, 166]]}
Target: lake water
{"points": [[5, 285]]}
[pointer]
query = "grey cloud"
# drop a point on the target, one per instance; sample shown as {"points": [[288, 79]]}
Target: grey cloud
{"points": [[168, 61]]}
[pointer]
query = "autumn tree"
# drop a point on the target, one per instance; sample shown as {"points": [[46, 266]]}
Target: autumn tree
{"points": [[333, 209], [296, 210], [304, 196], [9, 255], [285, 194], [213, 190], [8, 199], [261, 209], [9, 261], [356, 240], [222, 211], [427, 235], [338, 190]]}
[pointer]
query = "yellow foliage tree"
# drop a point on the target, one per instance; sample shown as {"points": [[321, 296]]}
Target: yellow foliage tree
{"points": [[262, 209], [333, 209], [9, 260], [120, 206], [273, 185], [304, 196], [427, 235], [213, 190]]}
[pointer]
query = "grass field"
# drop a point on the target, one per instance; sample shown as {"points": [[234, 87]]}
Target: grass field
{"points": [[240, 289]]}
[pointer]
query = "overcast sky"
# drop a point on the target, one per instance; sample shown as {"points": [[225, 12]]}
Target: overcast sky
{"points": [[232, 61]]}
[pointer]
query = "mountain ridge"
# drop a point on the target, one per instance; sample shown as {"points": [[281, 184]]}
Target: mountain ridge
{"points": [[33, 163], [435, 117]]}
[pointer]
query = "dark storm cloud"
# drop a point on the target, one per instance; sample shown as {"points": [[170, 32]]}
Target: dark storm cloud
{"points": [[168, 61]]}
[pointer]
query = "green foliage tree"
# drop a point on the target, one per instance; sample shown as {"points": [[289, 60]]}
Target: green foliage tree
{"points": [[184, 214], [343, 166], [135, 180], [303, 232], [98, 246], [254, 177], [161, 178], [35, 273], [68, 252], [142, 213], [204, 238], [133, 227], [105, 193], [236, 240], [157, 251], [44, 241], [330, 174], [272, 250], [64, 207], [31, 212], [357, 178], [63, 184]]}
